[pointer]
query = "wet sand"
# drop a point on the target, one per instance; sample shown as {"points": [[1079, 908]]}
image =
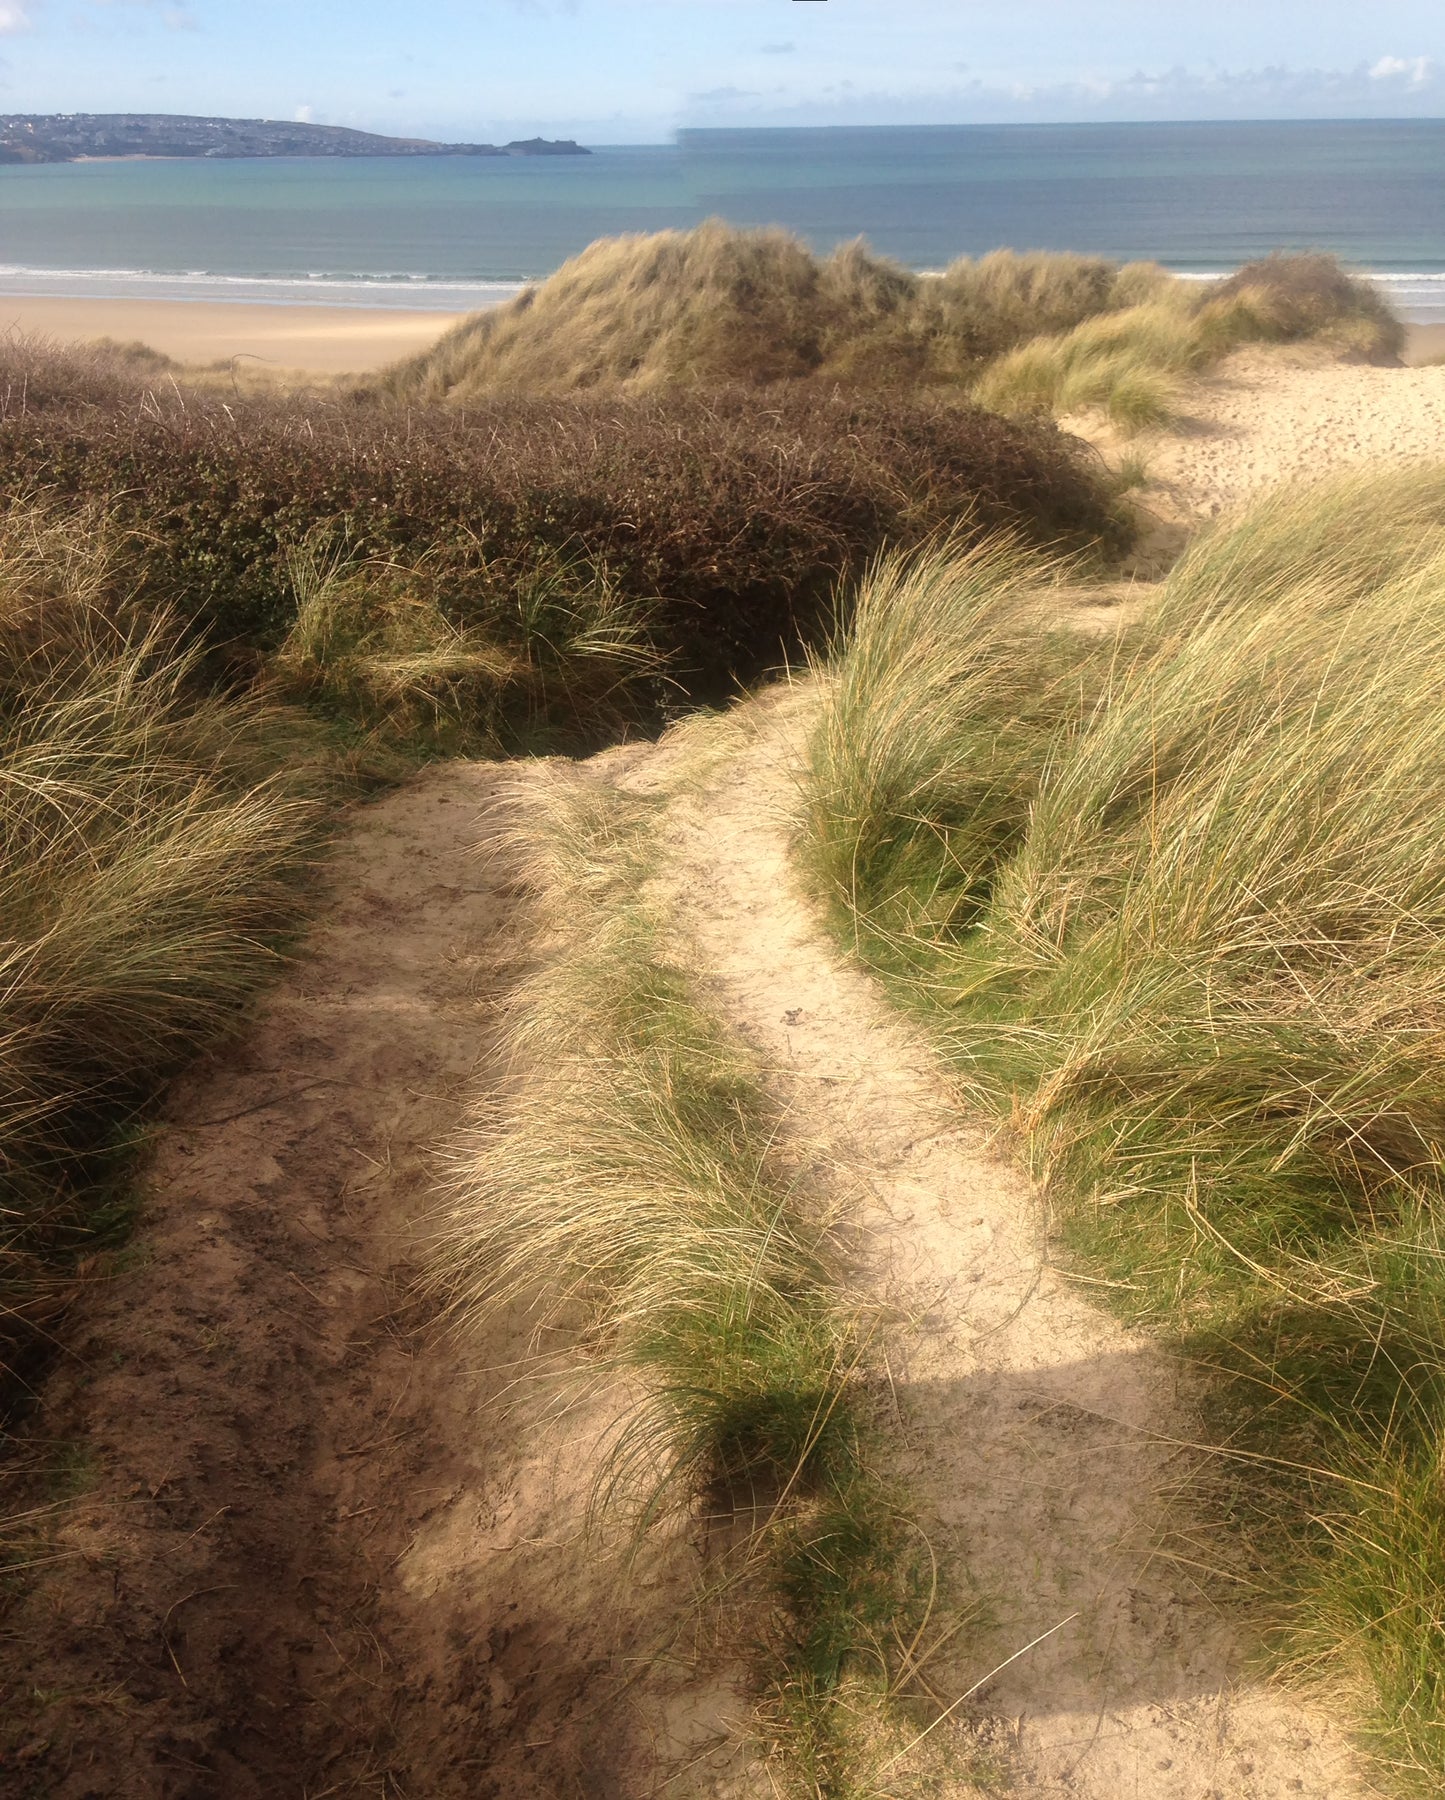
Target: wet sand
{"points": [[1424, 344], [328, 340]]}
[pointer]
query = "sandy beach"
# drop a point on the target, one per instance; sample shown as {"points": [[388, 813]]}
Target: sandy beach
{"points": [[328, 340]]}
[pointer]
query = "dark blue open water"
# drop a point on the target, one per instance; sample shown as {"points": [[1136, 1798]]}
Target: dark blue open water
{"points": [[441, 231]]}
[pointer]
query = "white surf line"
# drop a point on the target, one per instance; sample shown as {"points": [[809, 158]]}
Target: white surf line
{"points": [[1029, 1417]]}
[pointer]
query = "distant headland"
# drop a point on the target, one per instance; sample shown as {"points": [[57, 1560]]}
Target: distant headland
{"points": [[74, 137]]}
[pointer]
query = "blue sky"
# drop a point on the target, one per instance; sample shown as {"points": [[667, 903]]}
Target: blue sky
{"points": [[631, 71]]}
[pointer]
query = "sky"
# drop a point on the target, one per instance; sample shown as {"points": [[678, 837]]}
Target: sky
{"points": [[635, 71]]}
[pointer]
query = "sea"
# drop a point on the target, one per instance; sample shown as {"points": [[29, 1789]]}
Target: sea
{"points": [[455, 233]]}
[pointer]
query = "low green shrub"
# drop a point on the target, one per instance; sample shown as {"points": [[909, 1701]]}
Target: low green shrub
{"points": [[711, 528]]}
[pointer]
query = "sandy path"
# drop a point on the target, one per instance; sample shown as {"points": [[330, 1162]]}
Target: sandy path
{"points": [[310, 1555], [313, 1555], [1027, 1413], [1266, 416]]}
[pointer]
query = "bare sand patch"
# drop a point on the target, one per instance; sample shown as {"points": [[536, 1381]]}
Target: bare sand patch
{"points": [[326, 340], [1266, 416]]}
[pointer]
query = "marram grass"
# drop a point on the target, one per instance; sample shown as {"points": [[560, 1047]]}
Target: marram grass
{"points": [[1129, 362], [372, 645], [1036, 332], [634, 1189], [1175, 905], [151, 838], [719, 304]]}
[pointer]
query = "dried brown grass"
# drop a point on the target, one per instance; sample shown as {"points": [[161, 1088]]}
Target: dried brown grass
{"points": [[721, 305]]}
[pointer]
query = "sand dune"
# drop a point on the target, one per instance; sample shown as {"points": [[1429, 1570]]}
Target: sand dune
{"points": [[314, 1551]]}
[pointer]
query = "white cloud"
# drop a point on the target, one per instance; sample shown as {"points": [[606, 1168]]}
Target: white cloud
{"points": [[13, 16], [305, 115], [1393, 86], [1415, 71]]}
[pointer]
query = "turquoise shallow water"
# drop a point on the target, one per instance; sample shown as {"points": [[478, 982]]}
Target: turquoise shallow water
{"points": [[447, 232]]}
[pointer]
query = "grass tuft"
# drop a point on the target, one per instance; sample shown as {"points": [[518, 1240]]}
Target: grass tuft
{"points": [[371, 645], [927, 757], [1175, 905], [1284, 299], [1129, 363], [635, 1187], [152, 834]]}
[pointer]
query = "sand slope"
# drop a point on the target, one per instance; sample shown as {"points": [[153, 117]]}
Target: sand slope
{"points": [[1266, 416]]}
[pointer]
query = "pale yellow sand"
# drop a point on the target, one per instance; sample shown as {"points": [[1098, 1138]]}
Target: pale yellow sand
{"points": [[1266, 416], [327, 339]]}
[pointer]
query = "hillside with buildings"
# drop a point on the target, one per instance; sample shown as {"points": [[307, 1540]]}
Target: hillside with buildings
{"points": [[73, 137]]}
